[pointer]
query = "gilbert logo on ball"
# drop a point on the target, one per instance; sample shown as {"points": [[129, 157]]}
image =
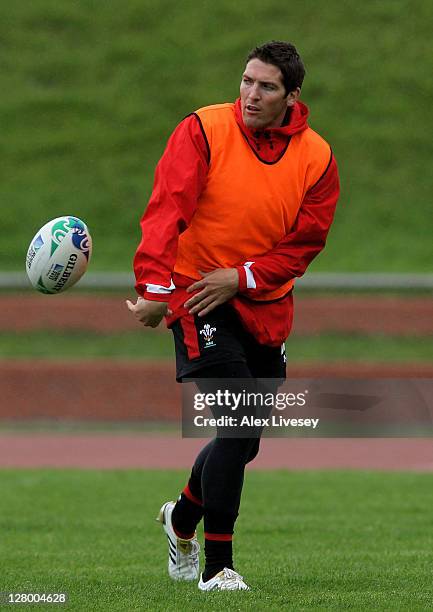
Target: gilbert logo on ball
{"points": [[59, 254]]}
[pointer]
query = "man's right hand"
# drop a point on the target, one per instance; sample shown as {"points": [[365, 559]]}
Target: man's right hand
{"points": [[148, 312]]}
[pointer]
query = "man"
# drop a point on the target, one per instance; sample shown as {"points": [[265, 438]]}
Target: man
{"points": [[243, 199]]}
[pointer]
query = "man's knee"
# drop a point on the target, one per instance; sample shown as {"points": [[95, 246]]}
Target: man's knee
{"points": [[240, 450]]}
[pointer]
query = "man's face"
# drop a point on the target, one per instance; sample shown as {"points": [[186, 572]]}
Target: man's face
{"points": [[263, 98]]}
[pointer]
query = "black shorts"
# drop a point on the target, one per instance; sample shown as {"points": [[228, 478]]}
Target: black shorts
{"points": [[219, 337]]}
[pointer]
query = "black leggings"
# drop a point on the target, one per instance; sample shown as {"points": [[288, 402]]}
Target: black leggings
{"points": [[218, 473]]}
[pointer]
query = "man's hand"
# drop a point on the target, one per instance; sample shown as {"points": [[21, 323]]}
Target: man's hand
{"points": [[216, 287], [148, 312]]}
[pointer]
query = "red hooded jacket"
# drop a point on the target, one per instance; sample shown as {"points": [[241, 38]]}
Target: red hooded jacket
{"points": [[179, 179]]}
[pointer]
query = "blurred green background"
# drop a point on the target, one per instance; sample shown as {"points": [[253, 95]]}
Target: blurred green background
{"points": [[91, 91]]}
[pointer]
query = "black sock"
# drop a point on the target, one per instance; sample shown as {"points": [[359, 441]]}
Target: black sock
{"points": [[186, 516], [219, 554]]}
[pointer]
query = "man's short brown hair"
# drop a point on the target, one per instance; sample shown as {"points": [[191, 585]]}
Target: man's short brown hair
{"points": [[286, 58]]}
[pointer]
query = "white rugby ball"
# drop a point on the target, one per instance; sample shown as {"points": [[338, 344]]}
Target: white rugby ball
{"points": [[59, 254]]}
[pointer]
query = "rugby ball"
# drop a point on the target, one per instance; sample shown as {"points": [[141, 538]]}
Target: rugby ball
{"points": [[59, 254]]}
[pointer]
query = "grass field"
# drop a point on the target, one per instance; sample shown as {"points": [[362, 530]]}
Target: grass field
{"points": [[91, 91], [316, 541], [136, 345]]}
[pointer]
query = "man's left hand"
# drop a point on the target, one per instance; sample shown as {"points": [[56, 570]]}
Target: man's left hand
{"points": [[214, 288]]}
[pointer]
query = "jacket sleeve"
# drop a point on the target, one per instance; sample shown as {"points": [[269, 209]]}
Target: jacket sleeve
{"points": [[291, 256], [179, 179]]}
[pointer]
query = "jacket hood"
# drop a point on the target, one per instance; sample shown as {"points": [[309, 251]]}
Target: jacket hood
{"points": [[269, 144], [297, 121]]}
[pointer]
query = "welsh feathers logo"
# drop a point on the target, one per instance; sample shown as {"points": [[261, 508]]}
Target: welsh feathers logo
{"points": [[207, 332], [63, 227]]}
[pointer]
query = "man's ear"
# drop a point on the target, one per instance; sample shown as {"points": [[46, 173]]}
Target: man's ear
{"points": [[293, 96]]}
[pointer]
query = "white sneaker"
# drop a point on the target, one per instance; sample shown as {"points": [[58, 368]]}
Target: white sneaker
{"points": [[183, 561], [226, 580]]}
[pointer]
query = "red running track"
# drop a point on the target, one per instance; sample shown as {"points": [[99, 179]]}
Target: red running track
{"points": [[125, 451]]}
